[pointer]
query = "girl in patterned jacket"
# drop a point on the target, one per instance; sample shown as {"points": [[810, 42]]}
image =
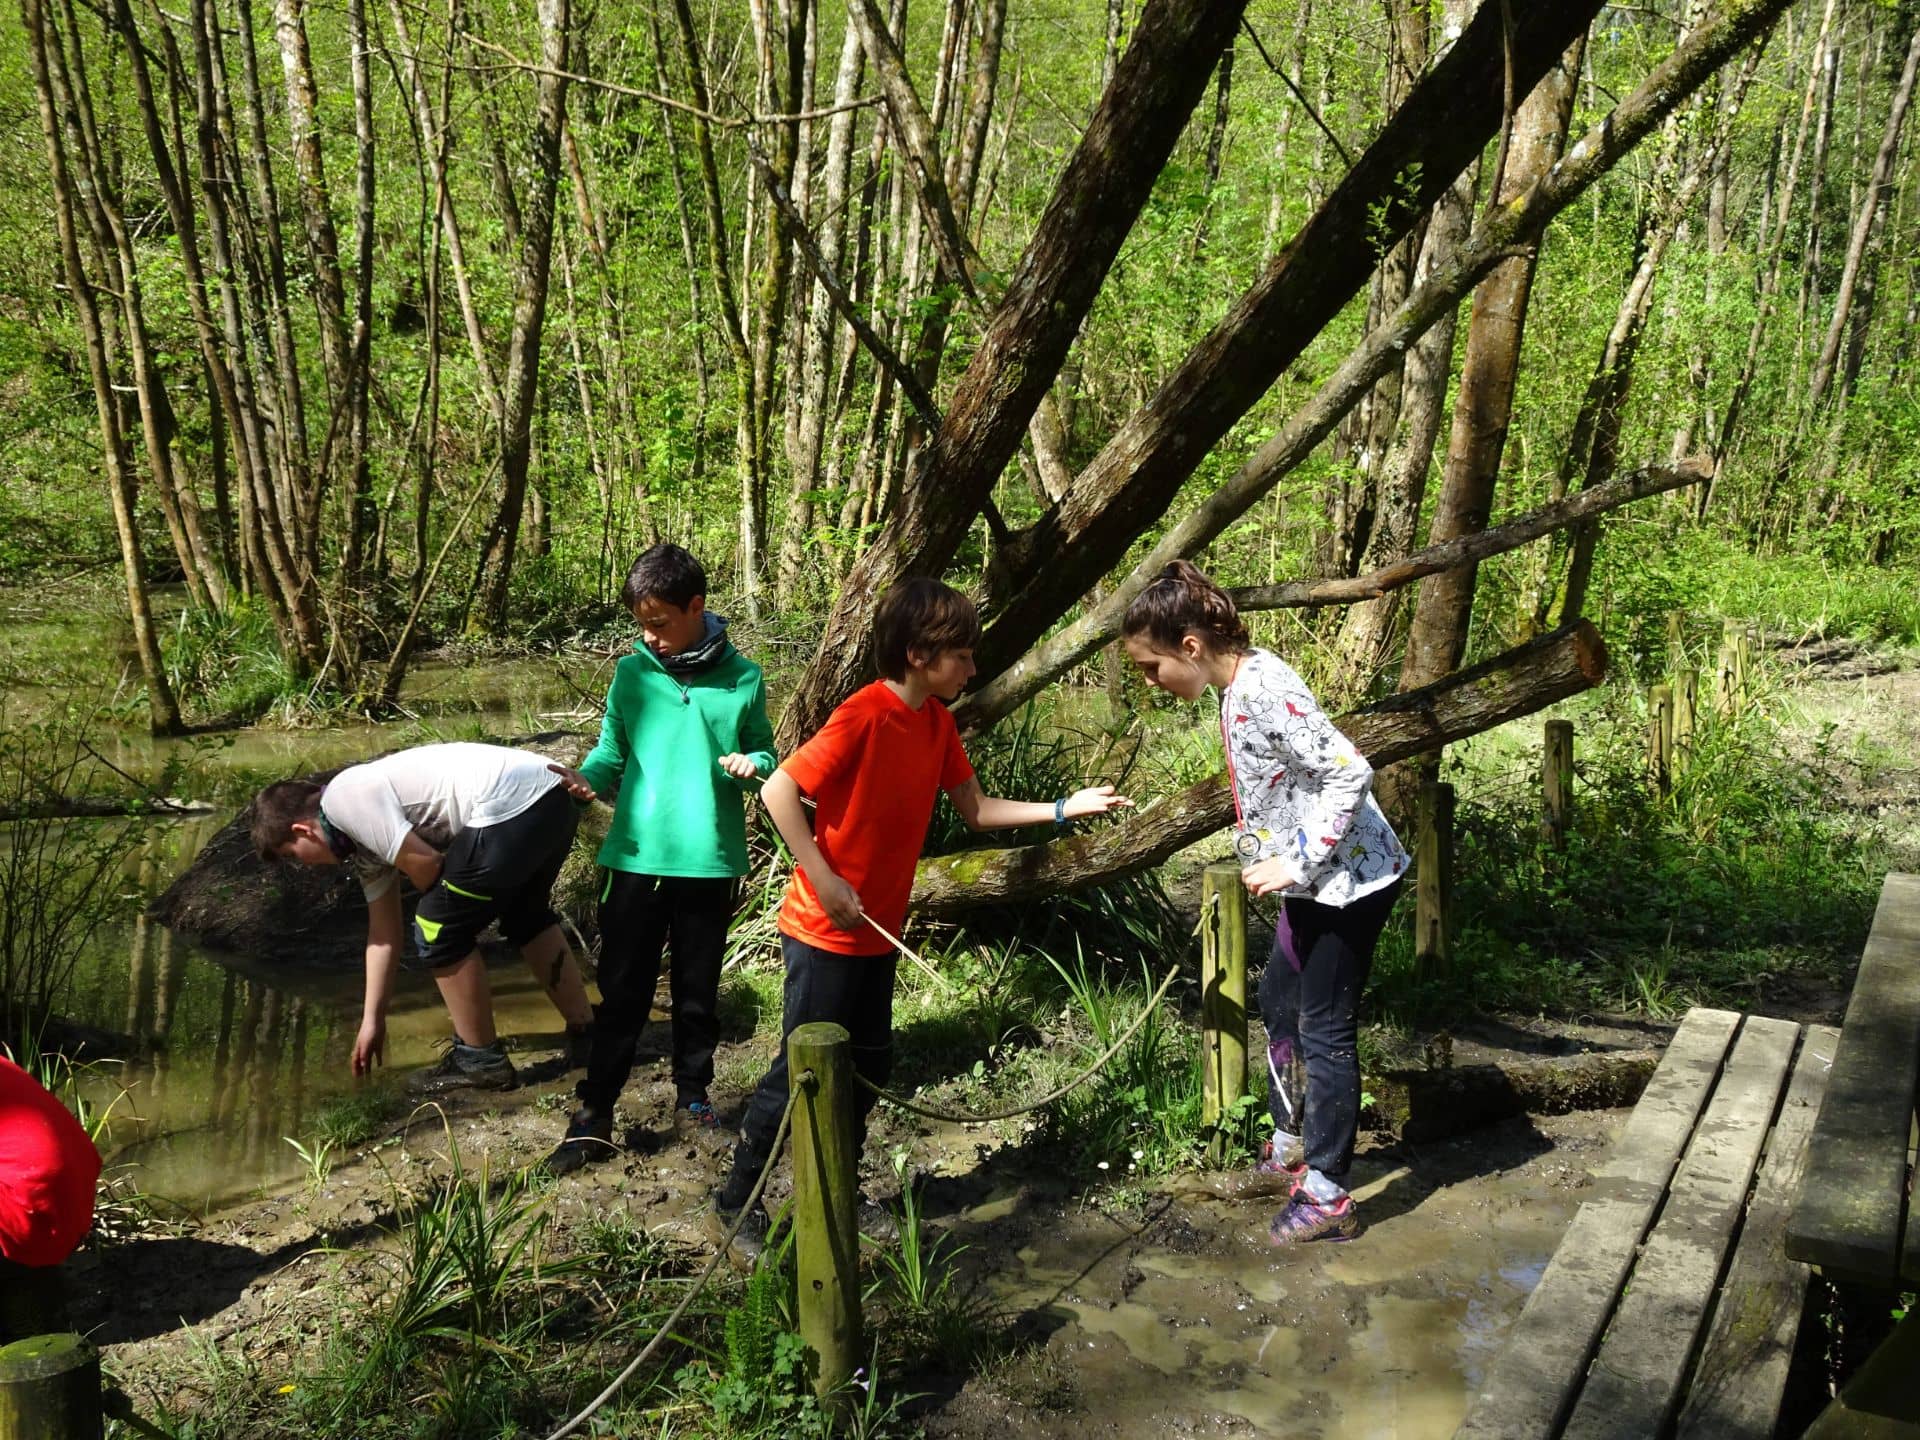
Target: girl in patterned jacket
{"points": [[1309, 831]]}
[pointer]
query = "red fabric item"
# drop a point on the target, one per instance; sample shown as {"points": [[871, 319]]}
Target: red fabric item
{"points": [[48, 1170], [875, 768]]}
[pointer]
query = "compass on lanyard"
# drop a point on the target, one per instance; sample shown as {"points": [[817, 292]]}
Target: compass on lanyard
{"points": [[1247, 846]]}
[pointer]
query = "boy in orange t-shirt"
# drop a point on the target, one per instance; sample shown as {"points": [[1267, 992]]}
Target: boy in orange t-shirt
{"points": [[874, 770]]}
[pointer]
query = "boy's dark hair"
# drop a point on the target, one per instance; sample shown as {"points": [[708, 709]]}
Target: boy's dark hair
{"points": [[274, 811], [664, 572], [921, 615], [1181, 599]]}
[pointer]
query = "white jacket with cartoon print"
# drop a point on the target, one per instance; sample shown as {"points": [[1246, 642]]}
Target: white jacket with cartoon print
{"points": [[1300, 787]]}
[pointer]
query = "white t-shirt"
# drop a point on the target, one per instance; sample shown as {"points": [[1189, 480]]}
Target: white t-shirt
{"points": [[438, 790]]}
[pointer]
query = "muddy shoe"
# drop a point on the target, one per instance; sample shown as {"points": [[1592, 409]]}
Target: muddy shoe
{"points": [[467, 1067], [589, 1140], [876, 1222], [1307, 1219], [749, 1241], [1276, 1172], [695, 1120]]}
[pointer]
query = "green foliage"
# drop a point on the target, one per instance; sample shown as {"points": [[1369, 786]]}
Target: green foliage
{"points": [[1743, 875]]}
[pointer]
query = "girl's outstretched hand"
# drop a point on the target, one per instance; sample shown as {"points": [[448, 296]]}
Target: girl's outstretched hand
{"points": [[1271, 876], [1095, 800]]}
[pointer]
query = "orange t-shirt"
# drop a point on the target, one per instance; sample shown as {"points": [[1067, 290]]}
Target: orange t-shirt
{"points": [[874, 769]]}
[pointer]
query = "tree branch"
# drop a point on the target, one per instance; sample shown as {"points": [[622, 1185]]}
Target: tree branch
{"points": [[1472, 549], [1517, 683]]}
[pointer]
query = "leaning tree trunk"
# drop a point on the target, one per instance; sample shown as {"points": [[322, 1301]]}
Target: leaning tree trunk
{"points": [[1449, 115], [1101, 191], [529, 316], [1504, 688], [1493, 239]]}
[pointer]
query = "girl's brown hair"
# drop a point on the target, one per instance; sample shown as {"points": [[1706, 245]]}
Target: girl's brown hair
{"points": [[1182, 600]]}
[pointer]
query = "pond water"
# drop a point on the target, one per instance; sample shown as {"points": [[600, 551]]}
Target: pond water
{"points": [[230, 1057]]}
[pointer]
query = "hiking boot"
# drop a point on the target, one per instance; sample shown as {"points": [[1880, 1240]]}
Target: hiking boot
{"points": [[876, 1222], [749, 1241], [467, 1067], [695, 1119], [589, 1140], [1307, 1219]]}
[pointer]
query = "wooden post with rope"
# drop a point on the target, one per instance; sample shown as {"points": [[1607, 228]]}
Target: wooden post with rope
{"points": [[1556, 784], [1223, 1000], [1433, 881], [1686, 715], [826, 1235], [50, 1389], [1660, 739]]}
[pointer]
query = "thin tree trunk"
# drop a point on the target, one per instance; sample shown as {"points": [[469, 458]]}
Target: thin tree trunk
{"points": [[1368, 629], [1872, 204], [818, 359], [529, 316], [163, 711], [1437, 637]]}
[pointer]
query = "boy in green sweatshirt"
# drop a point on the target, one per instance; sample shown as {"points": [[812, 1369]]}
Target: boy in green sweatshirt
{"points": [[685, 735]]}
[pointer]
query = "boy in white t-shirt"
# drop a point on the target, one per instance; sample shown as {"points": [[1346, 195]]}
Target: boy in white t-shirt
{"points": [[481, 831]]}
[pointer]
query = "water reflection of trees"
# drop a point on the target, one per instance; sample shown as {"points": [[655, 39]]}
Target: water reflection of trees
{"points": [[215, 1052]]}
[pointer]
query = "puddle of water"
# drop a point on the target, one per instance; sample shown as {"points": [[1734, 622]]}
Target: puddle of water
{"points": [[1385, 1336], [231, 1057]]}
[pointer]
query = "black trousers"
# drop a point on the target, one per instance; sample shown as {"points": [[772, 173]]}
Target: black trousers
{"points": [[851, 990], [642, 917], [1310, 1004]]}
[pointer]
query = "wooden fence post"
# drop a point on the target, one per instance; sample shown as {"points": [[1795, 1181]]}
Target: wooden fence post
{"points": [[1686, 710], [1556, 784], [1736, 658], [1676, 640], [1223, 999], [50, 1389], [1660, 738], [826, 1232], [1433, 881]]}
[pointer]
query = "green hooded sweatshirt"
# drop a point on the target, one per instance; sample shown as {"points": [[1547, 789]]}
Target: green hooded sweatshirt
{"points": [[676, 812]]}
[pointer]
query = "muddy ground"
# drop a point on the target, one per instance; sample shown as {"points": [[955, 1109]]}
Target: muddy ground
{"points": [[1142, 1309], [1152, 1309]]}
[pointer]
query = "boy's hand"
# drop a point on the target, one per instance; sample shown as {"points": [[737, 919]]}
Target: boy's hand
{"points": [[839, 899], [1095, 800], [370, 1046], [1271, 876], [573, 782], [739, 767]]}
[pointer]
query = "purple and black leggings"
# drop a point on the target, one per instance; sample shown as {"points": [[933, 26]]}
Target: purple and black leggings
{"points": [[1310, 1004]]}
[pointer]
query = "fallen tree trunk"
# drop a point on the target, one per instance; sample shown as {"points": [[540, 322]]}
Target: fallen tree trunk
{"points": [[1413, 722], [1421, 1104]]}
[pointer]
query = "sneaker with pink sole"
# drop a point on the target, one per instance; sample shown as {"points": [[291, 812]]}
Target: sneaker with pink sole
{"points": [[1307, 1219]]}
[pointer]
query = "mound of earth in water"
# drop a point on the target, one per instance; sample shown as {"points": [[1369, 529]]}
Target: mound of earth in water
{"points": [[230, 899]]}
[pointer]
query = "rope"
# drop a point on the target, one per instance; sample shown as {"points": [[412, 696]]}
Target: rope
{"points": [[902, 947], [963, 1118], [753, 1199]]}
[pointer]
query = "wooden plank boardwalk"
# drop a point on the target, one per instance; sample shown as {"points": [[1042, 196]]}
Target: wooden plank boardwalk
{"points": [[1641, 1298]]}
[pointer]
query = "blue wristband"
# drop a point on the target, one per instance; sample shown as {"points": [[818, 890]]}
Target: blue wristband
{"points": [[1060, 813]]}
